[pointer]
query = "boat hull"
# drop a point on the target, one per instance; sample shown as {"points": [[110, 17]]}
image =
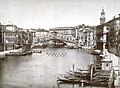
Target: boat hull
{"points": [[19, 53]]}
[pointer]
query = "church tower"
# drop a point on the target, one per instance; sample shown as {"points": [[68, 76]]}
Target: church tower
{"points": [[102, 18]]}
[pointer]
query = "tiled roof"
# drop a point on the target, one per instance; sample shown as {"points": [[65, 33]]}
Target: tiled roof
{"points": [[105, 24]]}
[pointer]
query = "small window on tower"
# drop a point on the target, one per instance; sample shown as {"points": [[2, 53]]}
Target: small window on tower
{"points": [[107, 64]]}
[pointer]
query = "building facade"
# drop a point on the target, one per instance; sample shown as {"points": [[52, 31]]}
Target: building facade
{"points": [[1, 37], [107, 34], [39, 35], [64, 30], [22, 37], [86, 36], [113, 35], [101, 33], [68, 33], [9, 37]]}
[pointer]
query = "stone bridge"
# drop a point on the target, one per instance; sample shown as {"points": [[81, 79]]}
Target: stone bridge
{"points": [[64, 39]]}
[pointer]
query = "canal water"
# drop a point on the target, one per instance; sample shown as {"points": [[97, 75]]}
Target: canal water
{"points": [[41, 70]]}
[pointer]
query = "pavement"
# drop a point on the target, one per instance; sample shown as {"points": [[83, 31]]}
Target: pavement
{"points": [[116, 65], [115, 61]]}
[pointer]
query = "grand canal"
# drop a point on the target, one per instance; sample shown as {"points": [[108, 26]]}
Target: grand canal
{"points": [[40, 70]]}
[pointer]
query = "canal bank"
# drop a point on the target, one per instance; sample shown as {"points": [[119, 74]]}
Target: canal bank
{"points": [[115, 64], [40, 70]]}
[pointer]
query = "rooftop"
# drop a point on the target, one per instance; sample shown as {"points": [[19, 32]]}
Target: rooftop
{"points": [[62, 28]]}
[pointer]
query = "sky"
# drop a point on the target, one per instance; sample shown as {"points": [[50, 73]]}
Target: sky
{"points": [[56, 13]]}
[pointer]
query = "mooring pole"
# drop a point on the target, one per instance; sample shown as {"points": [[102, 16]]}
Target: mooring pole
{"points": [[73, 71]]}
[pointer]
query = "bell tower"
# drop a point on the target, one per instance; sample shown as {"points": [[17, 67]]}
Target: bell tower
{"points": [[102, 18]]}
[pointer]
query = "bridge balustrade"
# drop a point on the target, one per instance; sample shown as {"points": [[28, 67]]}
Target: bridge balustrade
{"points": [[58, 37]]}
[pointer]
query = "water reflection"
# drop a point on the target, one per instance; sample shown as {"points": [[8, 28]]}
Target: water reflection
{"points": [[41, 70]]}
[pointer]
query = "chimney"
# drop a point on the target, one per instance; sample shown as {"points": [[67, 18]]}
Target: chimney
{"points": [[119, 15], [113, 17]]}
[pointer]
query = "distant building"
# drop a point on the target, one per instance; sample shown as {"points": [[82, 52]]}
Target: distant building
{"points": [[87, 36], [39, 34], [65, 32], [114, 35], [18, 38], [1, 37], [9, 37], [91, 36], [99, 37], [22, 37], [82, 35]]}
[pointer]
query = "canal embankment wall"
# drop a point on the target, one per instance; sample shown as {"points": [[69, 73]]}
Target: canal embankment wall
{"points": [[115, 63]]}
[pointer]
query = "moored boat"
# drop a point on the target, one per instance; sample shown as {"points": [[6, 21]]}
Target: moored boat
{"points": [[89, 77], [37, 51], [96, 52], [19, 53], [71, 80]]}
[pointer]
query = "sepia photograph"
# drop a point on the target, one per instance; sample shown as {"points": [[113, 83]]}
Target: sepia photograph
{"points": [[59, 43]]}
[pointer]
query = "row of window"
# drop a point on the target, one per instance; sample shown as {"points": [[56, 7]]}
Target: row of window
{"points": [[9, 40], [9, 34]]}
